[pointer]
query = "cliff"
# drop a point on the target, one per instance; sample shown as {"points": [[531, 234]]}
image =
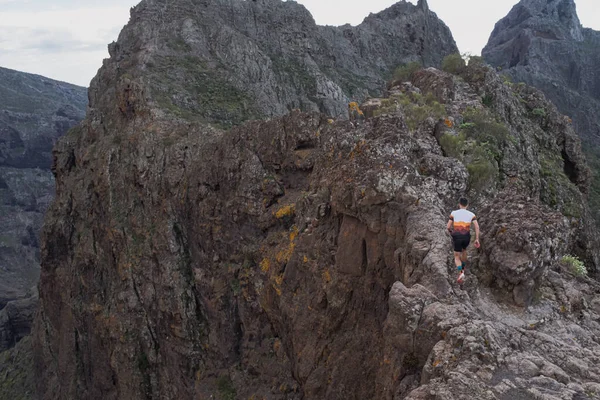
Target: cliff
{"points": [[226, 62], [34, 112], [543, 44], [304, 256]]}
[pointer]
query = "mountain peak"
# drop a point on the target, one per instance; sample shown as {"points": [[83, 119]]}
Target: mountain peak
{"points": [[553, 18]]}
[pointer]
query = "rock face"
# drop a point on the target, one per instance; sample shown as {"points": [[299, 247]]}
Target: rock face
{"points": [[34, 113], [227, 61], [543, 44], [307, 258], [17, 381]]}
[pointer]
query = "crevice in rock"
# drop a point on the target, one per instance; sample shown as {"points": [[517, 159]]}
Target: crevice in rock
{"points": [[570, 168]]}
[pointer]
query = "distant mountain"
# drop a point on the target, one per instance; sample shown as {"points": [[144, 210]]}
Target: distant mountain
{"points": [[542, 43], [34, 112]]}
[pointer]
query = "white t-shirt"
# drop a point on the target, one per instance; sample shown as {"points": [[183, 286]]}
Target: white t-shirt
{"points": [[462, 221]]}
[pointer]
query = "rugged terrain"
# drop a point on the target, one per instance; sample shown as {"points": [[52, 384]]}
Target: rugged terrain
{"points": [[543, 44], [306, 256], [34, 113], [225, 62]]}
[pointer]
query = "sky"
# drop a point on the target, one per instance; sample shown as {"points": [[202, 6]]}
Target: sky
{"points": [[67, 39]]}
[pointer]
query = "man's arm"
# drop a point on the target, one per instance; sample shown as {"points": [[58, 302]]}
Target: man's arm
{"points": [[476, 225], [449, 225]]}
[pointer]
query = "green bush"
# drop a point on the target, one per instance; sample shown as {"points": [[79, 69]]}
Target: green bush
{"points": [[481, 126], [487, 100], [576, 266], [415, 107], [482, 171], [405, 72], [454, 64], [475, 61], [539, 112], [453, 145]]}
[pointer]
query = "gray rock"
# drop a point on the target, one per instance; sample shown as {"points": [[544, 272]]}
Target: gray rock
{"points": [[16, 319], [230, 61], [34, 113], [301, 257], [543, 44]]}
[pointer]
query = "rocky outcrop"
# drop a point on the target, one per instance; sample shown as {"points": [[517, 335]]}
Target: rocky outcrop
{"points": [[226, 62], [543, 44], [17, 381], [306, 257], [34, 113]]}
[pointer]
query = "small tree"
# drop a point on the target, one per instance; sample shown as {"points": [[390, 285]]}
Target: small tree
{"points": [[454, 64], [405, 72], [475, 61]]}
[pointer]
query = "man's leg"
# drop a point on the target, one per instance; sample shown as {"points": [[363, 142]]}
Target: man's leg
{"points": [[457, 260], [463, 258]]}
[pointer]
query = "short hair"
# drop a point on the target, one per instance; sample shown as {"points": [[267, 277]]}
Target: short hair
{"points": [[463, 201]]}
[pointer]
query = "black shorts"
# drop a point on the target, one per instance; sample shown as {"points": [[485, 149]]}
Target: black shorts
{"points": [[461, 242]]}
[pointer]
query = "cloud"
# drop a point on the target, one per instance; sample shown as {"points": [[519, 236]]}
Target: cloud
{"points": [[65, 44], [19, 39]]}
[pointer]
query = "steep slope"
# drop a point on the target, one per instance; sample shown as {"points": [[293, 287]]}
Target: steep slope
{"points": [[543, 44], [227, 61], [34, 112], [303, 257]]}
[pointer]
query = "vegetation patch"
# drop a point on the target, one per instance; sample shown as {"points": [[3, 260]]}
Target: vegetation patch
{"points": [[226, 389], [575, 265], [454, 64], [188, 88], [478, 145], [414, 106], [405, 72], [539, 112], [593, 158], [476, 61]]}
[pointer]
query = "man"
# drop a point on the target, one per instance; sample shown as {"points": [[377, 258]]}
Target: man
{"points": [[459, 227]]}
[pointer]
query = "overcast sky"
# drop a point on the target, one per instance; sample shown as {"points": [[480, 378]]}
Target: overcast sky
{"points": [[67, 39]]}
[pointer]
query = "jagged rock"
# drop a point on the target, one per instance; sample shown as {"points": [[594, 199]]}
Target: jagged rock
{"points": [[17, 380], [543, 44], [522, 240], [302, 257], [34, 113], [15, 320], [226, 62]]}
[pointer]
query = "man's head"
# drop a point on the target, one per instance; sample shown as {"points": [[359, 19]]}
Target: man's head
{"points": [[463, 202]]}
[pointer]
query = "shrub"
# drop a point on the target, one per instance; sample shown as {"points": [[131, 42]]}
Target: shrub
{"points": [[481, 126], [507, 80], [539, 112], [482, 171], [576, 266], [487, 100], [405, 72], [452, 145], [475, 61], [454, 64], [415, 107]]}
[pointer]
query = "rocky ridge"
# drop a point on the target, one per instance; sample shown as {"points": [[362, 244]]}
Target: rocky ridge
{"points": [[34, 112], [307, 257], [543, 44], [226, 62]]}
